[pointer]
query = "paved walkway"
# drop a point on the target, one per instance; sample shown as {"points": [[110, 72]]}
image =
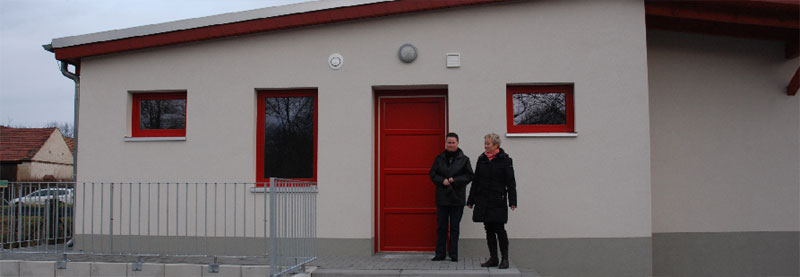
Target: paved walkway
{"points": [[407, 265]]}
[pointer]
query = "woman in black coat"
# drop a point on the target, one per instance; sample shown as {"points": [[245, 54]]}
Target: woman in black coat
{"points": [[493, 190], [450, 173]]}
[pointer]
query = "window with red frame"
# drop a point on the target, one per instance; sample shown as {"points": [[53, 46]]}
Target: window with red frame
{"points": [[159, 114], [540, 109], [287, 135]]}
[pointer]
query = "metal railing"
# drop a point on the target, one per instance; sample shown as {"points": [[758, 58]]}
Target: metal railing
{"points": [[163, 219], [293, 225], [36, 217]]}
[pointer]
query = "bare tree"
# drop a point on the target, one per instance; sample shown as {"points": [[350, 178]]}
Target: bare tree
{"points": [[289, 137], [66, 128], [539, 108], [162, 114]]}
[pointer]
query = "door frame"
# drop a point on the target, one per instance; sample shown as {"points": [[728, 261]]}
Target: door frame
{"points": [[396, 93]]}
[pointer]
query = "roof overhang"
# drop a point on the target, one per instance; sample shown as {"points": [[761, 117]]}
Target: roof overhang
{"points": [[72, 49], [758, 19]]}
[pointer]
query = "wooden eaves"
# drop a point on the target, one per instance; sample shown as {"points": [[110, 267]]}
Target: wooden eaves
{"points": [[777, 20]]}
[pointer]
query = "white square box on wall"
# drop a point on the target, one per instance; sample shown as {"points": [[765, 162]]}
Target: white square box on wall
{"points": [[453, 60]]}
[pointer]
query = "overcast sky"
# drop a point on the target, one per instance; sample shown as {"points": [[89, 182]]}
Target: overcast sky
{"points": [[32, 90]]}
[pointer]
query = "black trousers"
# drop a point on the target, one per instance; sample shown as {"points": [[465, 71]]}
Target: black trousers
{"points": [[448, 216], [496, 232]]}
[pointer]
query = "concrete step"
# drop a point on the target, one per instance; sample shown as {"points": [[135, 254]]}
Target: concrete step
{"points": [[330, 272]]}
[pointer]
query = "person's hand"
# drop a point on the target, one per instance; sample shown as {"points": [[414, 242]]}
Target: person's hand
{"points": [[452, 181], [513, 207], [446, 182]]}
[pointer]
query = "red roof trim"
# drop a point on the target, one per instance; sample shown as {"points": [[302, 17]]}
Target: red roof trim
{"points": [[794, 84], [726, 12], [766, 19], [75, 53], [762, 19]]}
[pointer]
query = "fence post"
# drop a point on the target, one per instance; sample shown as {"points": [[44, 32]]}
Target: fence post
{"points": [[273, 258], [111, 220]]}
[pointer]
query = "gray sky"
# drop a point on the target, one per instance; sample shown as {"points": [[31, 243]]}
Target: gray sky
{"points": [[32, 90]]}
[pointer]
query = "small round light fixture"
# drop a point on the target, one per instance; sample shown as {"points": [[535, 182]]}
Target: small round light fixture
{"points": [[407, 53], [335, 61]]}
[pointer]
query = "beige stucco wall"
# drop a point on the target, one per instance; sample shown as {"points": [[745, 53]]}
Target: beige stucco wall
{"points": [[54, 150], [724, 135], [24, 171], [38, 170], [54, 158], [595, 185]]}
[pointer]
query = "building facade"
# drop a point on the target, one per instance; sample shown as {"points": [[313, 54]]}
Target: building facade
{"points": [[669, 140]]}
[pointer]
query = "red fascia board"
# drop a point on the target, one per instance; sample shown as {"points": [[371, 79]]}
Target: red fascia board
{"points": [[77, 52], [794, 85], [721, 13], [788, 8]]}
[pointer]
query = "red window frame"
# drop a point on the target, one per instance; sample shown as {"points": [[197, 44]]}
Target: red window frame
{"points": [[569, 127], [262, 180], [138, 97]]}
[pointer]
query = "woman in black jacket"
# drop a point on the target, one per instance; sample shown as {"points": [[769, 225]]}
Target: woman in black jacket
{"points": [[493, 188], [450, 173]]}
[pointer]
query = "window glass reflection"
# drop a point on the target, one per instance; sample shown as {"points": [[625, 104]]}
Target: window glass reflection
{"points": [[540, 108], [162, 114], [289, 137]]}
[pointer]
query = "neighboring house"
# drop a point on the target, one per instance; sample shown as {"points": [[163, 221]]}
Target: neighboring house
{"points": [[649, 138], [35, 154], [70, 143]]}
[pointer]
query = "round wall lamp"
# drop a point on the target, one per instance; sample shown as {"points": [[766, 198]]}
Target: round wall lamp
{"points": [[335, 61], [407, 53]]}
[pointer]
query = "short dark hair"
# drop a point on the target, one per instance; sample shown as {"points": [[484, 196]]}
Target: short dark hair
{"points": [[451, 135]]}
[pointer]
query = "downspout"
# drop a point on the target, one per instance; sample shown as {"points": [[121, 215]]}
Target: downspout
{"points": [[75, 77]]}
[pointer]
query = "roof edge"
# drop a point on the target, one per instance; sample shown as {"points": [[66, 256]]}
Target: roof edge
{"points": [[358, 9], [199, 22]]}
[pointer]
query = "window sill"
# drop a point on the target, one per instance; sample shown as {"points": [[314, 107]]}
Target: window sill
{"points": [[542, 135], [134, 139]]}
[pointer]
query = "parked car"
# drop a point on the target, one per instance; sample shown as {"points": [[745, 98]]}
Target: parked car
{"points": [[40, 197]]}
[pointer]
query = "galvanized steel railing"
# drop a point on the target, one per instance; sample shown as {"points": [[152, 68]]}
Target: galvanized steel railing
{"points": [[293, 225], [182, 219], [36, 217]]}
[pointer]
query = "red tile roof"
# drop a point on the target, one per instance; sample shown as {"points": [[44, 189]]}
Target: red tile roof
{"points": [[21, 144], [71, 143]]}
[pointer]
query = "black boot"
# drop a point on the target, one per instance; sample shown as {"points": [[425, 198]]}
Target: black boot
{"points": [[503, 264], [491, 241], [503, 238], [491, 262]]}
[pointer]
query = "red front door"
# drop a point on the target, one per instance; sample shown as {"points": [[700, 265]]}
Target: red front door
{"points": [[411, 133]]}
